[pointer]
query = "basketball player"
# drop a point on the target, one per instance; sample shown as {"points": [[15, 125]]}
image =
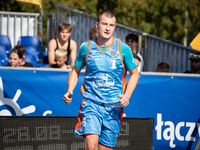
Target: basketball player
{"points": [[104, 88]]}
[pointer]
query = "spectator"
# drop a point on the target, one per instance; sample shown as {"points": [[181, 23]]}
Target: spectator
{"points": [[132, 42], [93, 34], [63, 42], [61, 58], [15, 58], [194, 63], [22, 63], [105, 90], [163, 67]]}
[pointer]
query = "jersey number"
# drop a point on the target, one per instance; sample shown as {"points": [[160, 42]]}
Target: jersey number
{"points": [[113, 64]]}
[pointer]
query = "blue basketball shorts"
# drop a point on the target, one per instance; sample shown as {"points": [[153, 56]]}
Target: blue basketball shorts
{"points": [[101, 120]]}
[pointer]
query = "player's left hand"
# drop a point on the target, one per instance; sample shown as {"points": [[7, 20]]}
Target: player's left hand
{"points": [[124, 100]]}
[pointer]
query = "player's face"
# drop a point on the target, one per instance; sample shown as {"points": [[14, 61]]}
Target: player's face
{"points": [[14, 60], [61, 61], [64, 35], [132, 44], [106, 27]]}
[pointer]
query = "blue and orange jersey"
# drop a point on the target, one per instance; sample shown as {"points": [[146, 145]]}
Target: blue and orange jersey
{"points": [[105, 75]]}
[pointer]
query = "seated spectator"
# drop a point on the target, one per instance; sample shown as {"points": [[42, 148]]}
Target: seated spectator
{"points": [[163, 67], [93, 34], [61, 57], [132, 42], [15, 58], [22, 63], [63, 42], [194, 63]]}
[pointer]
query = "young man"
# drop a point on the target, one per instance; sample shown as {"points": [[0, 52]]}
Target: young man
{"points": [[132, 42], [63, 42], [61, 58], [104, 89]]}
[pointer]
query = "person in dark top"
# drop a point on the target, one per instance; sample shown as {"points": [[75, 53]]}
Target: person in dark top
{"points": [[63, 42], [194, 63], [22, 62]]}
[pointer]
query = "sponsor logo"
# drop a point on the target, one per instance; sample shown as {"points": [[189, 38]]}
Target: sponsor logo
{"points": [[95, 57], [103, 81], [113, 53], [173, 131]]}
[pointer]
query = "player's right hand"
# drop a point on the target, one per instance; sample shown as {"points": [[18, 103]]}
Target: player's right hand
{"points": [[67, 97]]}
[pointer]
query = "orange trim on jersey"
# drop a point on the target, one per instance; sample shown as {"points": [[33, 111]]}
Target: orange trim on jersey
{"points": [[120, 53], [87, 52], [107, 48], [122, 113], [124, 73], [83, 85], [124, 80], [78, 125], [83, 88]]}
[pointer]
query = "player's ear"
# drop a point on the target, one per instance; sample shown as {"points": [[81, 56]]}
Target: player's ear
{"points": [[97, 25]]}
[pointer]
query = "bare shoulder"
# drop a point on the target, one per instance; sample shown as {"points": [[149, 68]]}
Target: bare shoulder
{"points": [[52, 43], [73, 44]]}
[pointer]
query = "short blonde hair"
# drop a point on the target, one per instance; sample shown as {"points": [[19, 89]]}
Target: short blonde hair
{"points": [[63, 26], [60, 53]]}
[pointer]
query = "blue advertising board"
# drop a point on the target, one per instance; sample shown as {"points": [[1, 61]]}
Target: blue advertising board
{"points": [[172, 100]]}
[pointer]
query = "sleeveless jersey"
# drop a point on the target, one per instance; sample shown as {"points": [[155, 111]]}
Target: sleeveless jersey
{"points": [[105, 75]]}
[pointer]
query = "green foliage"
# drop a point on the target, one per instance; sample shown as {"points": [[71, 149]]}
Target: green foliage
{"points": [[164, 18]]}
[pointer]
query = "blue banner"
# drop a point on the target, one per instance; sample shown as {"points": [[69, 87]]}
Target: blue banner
{"points": [[173, 102]]}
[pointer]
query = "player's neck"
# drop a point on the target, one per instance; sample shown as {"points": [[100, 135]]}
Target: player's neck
{"points": [[104, 42]]}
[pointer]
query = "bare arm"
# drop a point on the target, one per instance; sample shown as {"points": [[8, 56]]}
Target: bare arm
{"points": [[51, 52], [132, 82], [73, 52], [72, 81]]}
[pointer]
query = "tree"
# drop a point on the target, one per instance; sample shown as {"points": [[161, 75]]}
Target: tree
{"points": [[165, 19]]}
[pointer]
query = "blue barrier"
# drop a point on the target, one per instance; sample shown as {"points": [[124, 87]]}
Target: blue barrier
{"points": [[171, 99]]}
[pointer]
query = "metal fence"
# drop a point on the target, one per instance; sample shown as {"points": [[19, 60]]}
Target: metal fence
{"points": [[153, 49], [16, 24]]}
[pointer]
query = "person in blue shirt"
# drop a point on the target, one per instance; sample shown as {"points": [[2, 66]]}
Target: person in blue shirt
{"points": [[105, 89]]}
